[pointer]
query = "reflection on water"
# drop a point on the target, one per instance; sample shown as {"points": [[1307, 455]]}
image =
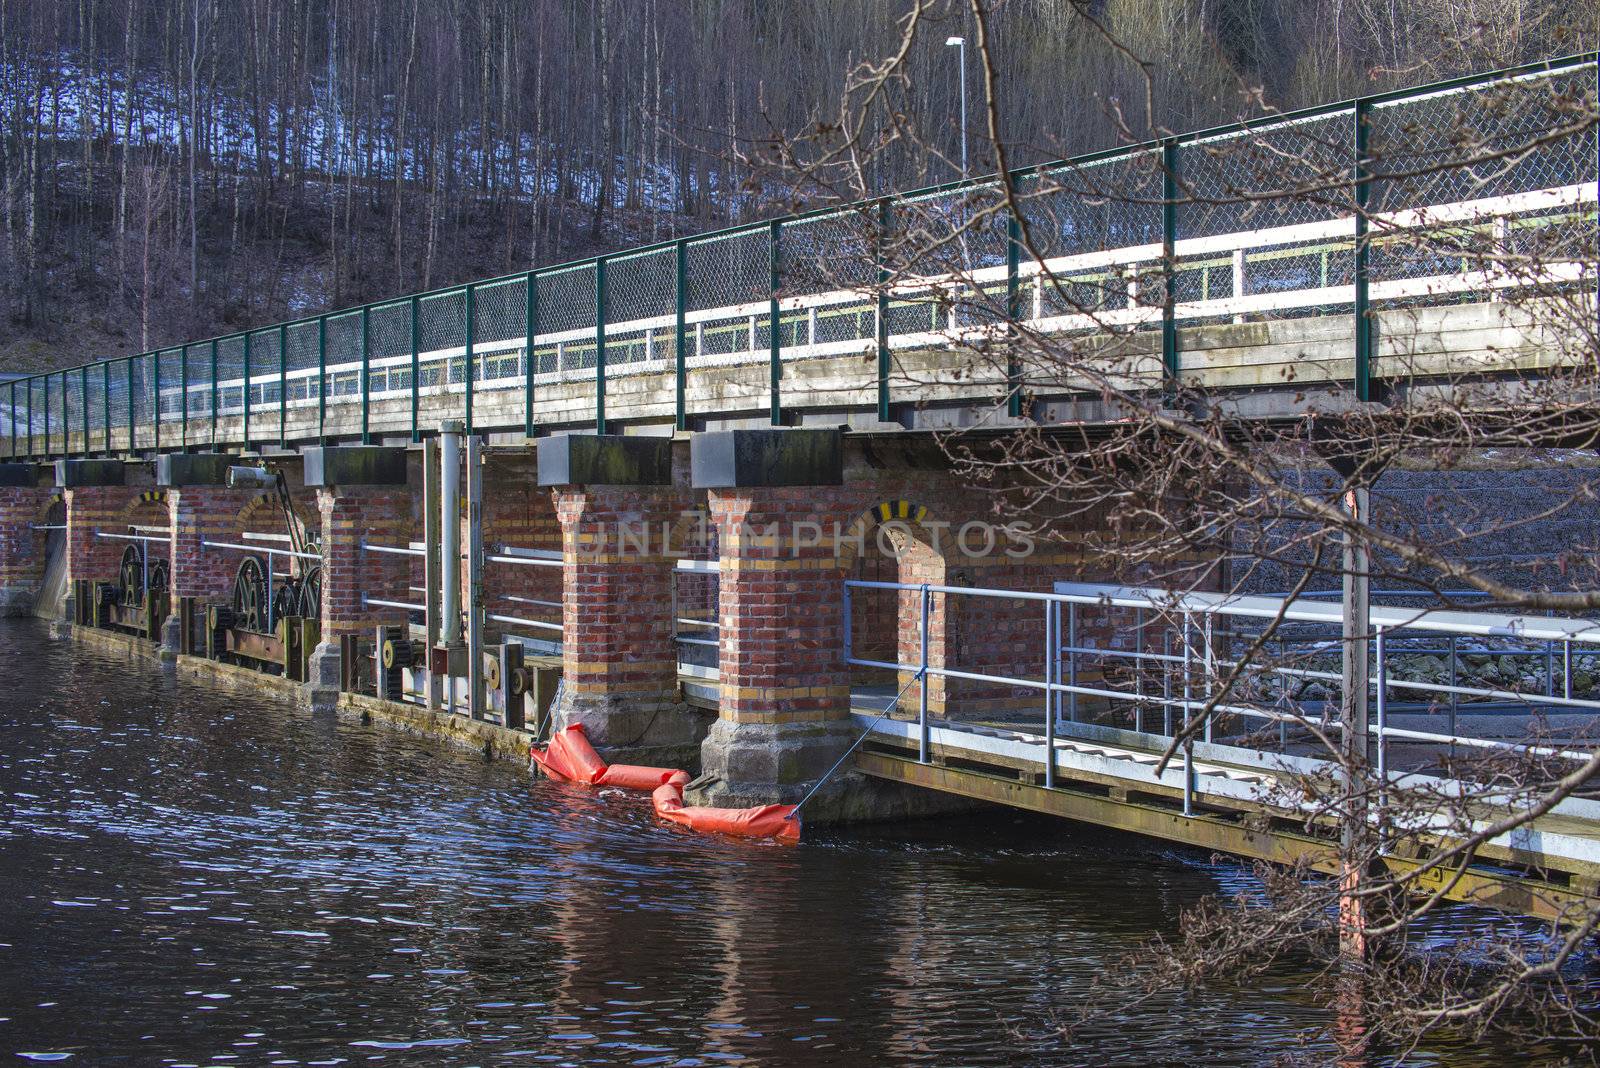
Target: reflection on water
{"points": [[191, 874]]}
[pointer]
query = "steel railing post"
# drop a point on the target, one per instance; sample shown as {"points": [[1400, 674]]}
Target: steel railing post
{"points": [[680, 335], [130, 403], [322, 380], [213, 392], [416, 369], [1169, 264], [922, 702], [600, 345], [283, 385], [155, 398], [1013, 313], [183, 389], [774, 341], [883, 308], [1072, 661], [1361, 181], [530, 361], [1380, 644], [1051, 652], [469, 327], [105, 403], [245, 398], [83, 402], [366, 375]]}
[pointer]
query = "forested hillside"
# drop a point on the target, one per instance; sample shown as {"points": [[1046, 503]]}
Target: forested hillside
{"points": [[177, 168]]}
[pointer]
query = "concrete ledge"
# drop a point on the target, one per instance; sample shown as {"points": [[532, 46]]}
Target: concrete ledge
{"points": [[192, 469], [70, 473], [734, 459], [12, 475], [604, 460], [355, 465]]}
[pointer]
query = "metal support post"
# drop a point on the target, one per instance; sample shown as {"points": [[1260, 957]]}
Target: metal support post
{"points": [[366, 375], [1169, 264], [416, 370], [1362, 182], [1072, 661], [1013, 313], [922, 702], [283, 385], [469, 359], [530, 320], [774, 342], [680, 335], [245, 398], [1051, 651], [450, 543], [477, 703], [431, 522], [600, 345], [883, 310]]}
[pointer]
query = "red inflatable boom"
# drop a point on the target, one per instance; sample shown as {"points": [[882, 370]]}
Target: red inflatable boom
{"points": [[570, 758]]}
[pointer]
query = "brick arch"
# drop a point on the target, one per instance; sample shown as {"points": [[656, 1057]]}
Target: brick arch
{"points": [[150, 503], [48, 508], [310, 521]]}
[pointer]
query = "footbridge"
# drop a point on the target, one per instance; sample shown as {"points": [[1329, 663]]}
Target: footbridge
{"points": [[687, 495], [1359, 249]]}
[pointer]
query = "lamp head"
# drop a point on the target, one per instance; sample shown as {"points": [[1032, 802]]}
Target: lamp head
{"points": [[955, 41]]}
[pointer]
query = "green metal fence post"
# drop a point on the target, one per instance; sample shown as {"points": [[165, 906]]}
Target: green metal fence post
{"points": [[366, 376], [1013, 313], [31, 450], [1169, 264], [1362, 312], [680, 349], [11, 420], [416, 369], [468, 314], [131, 411], [105, 404], [322, 380], [215, 392], [881, 254], [600, 345], [283, 385], [66, 412], [183, 388], [774, 344], [246, 398], [83, 394], [530, 362]]}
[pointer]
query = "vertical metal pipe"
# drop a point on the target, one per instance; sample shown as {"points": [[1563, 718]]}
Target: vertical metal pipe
{"points": [[774, 321], [1566, 670], [1210, 668], [155, 399], [416, 368], [450, 431], [680, 338], [83, 397], [922, 700], [600, 345], [130, 406]]}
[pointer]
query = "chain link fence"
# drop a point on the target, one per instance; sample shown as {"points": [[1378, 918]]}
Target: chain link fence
{"points": [[1449, 194]]}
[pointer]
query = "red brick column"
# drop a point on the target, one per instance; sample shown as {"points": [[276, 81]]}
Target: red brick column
{"points": [[619, 659], [91, 509], [785, 688], [22, 549], [351, 515], [204, 513]]}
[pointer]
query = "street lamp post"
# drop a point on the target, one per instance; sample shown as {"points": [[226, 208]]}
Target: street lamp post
{"points": [[960, 44]]}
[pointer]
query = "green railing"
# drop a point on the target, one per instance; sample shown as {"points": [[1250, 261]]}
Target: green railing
{"points": [[1268, 218]]}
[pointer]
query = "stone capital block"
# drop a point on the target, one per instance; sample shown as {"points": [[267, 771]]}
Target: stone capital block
{"points": [[604, 460]]}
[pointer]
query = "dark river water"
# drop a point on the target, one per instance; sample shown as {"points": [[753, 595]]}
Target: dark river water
{"points": [[192, 874]]}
